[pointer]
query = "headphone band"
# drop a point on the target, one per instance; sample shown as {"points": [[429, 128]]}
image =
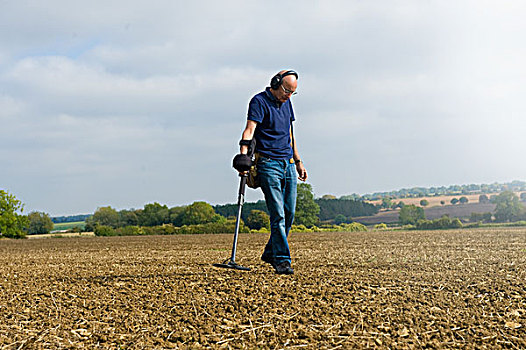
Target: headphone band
{"points": [[276, 80], [289, 72]]}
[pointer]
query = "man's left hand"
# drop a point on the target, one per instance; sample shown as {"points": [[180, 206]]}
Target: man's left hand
{"points": [[302, 172]]}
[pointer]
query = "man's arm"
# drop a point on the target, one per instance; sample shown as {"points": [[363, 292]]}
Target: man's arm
{"points": [[302, 172], [248, 134]]}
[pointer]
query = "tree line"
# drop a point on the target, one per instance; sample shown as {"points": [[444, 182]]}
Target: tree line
{"points": [[201, 216], [454, 190], [71, 218], [310, 212]]}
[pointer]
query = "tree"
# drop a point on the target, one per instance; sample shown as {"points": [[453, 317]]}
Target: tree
{"points": [[442, 202], [128, 218], [483, 198], [175, 215], [410, 214], [306, 208], [198, 213], [463, 200], [340, 219], [12, 224], [39, 223], [329, 208], [106, 216], [454, 201], [354, 197], [483, 217], [523, 196], [508, 207], [387, 203], [258, 219], [328, 196], [424, 202], [154, 214]]}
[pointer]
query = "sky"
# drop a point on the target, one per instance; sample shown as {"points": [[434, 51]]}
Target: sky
{"points": [[125, 103]]}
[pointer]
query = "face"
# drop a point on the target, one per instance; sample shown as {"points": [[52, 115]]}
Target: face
{"points": [[288, 88]]}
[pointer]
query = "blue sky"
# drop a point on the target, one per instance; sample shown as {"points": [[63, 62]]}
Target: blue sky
{"points": [[124, 103]]}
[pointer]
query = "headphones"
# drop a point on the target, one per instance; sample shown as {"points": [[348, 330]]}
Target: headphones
{"points": [[276, 80]]}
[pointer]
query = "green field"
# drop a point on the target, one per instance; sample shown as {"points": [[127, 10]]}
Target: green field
{"points": [[68, 225]]}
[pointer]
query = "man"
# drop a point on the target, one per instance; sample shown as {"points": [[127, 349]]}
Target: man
{"points": [[270, 117]]}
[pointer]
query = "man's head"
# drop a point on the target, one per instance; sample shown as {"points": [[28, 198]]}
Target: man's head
{"points": [[284, 84]]}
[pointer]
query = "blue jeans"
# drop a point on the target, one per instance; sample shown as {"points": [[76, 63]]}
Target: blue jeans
{"points": [[277, 178]]}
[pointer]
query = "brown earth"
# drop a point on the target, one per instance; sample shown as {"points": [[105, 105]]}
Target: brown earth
{"points": [[403, 290]]}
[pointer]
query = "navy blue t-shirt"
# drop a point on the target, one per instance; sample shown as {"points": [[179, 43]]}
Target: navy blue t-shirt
{"points": [[274, 119]]}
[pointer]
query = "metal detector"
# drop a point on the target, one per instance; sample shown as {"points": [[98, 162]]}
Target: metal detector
{"points": [[230, 263]]}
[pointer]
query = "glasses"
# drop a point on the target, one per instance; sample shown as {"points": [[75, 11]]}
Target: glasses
{"points": [[287, 91]]}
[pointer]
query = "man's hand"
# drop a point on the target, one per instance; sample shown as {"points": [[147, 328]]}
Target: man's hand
{"points": [[242, 163], [302, 172]]}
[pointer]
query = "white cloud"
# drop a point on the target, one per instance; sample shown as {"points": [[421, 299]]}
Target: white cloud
{"points": [[127, 102], [10, 107]]}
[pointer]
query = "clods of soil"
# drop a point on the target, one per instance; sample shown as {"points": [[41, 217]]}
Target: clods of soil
{"points": [[433, 289]]}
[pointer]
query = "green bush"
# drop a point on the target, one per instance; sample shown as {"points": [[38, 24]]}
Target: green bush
{"points": [[456, 223], [167, 229], [340, 219], [410, 214], [303, 228], [516, 223], [76, 229], [483, 217], [39, 223], [130, 231], [444, 222], [261, 230], [103, 230], [380, 226], [257, 220], [353, 227]]}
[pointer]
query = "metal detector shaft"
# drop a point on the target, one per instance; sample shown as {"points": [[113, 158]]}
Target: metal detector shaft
{"points": [[231, 263], [240, 201]]}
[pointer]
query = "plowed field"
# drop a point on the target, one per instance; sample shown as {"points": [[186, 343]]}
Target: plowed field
{"points": [[434, 289]]}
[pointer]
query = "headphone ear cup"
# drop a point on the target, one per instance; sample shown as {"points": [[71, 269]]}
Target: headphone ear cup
{"points": [[275, 82]]}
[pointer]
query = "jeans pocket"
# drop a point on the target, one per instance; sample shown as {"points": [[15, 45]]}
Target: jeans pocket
{"points": [[263, 160]]}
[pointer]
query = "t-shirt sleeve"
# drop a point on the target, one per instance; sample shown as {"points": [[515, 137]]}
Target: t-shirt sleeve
{"points": [[292, 117], [255, 110]]}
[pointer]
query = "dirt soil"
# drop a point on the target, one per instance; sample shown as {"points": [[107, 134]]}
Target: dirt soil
{"points": [[403, 290]]}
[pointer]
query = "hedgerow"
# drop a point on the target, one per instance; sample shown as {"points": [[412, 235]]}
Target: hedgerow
{"points": [[225, 226], [443, 223]]}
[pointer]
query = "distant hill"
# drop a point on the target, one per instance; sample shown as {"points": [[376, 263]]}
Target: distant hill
{"points": [[72, 218], [453, 190], [462, 211]]}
